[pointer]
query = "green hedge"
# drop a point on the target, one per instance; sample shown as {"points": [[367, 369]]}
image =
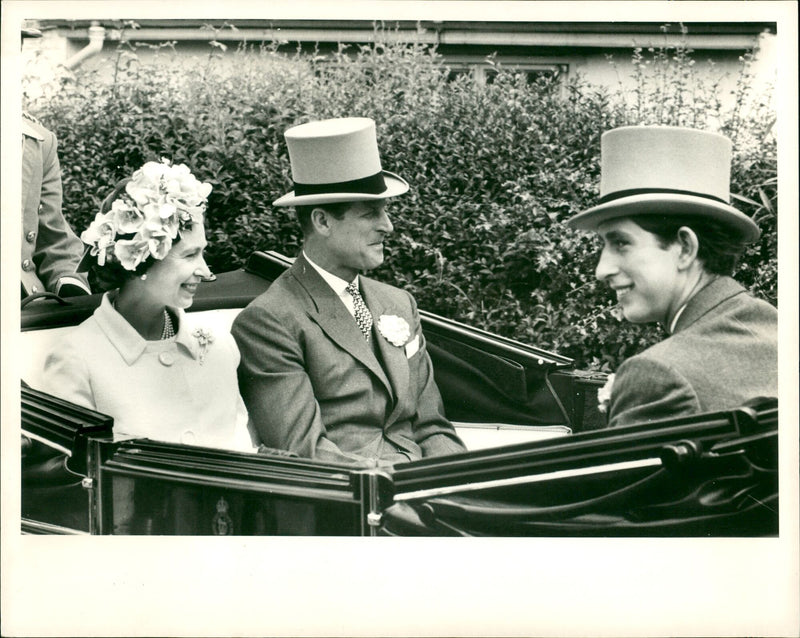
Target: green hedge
{"points": [[494, 170]]}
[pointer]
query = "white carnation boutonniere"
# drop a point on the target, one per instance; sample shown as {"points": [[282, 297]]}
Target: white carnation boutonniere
{"points": [[604, 395], [394, 329], [204, 340]]}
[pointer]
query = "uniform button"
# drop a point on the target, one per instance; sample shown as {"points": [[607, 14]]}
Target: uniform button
{"points": [[34, 289], [27, 265], [40, 207], [166, 358], [30, 237]]}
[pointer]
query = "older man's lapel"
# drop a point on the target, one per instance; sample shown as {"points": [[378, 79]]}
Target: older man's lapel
{"points": [[394, 357], [328, 311]]}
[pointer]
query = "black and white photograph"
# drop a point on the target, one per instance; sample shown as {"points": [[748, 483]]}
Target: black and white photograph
{"points": [[456, 318]]}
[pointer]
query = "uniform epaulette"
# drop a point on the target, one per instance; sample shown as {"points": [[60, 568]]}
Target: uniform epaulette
{"points": [[30, 117]]}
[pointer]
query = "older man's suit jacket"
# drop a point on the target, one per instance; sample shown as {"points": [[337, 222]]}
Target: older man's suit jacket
{"points": [[723, 353], [50, 249], [313, 385]]}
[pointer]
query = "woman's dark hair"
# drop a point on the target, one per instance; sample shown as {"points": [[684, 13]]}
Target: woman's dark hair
{"points": [[113, 274], [720, 247], [304, 213]]}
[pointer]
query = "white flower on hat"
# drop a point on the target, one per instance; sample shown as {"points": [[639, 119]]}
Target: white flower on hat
{"points": [[394, 329], [158, 203], [128, 218], [100, 235], [130, 252], [158, 237]]}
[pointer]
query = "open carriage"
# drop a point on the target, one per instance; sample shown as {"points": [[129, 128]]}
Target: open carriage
{"points": [[540, 461]]}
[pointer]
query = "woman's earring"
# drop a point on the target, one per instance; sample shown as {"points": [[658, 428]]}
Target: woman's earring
{"points": [[143, 277]]}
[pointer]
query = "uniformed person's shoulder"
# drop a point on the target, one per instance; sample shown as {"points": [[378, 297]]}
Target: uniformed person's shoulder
{"points": [[32, 127]]}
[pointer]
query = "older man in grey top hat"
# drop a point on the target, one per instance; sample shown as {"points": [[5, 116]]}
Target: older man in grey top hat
{"points": [[671, 241], [334, 364]]}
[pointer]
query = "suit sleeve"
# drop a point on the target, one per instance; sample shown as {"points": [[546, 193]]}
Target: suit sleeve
{"points": [[58, 249], [647, 390], [435, 435], [277, 390]]}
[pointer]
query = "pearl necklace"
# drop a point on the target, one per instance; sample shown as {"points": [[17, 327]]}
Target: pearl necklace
{"points": [[169, 330]]}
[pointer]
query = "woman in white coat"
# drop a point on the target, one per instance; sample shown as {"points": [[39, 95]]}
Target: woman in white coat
{"points": [[140, 358]]}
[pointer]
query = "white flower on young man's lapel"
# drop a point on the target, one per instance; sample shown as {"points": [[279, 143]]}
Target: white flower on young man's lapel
{"points": [[394, 329], [604, 395]]}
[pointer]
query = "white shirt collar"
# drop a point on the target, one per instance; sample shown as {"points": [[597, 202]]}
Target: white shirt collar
{"points": [[337, 283], [697, 288], [675, 318]]}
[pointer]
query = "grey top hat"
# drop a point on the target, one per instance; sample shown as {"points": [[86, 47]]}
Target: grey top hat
{"points": [[337, 160], [665, 170]]}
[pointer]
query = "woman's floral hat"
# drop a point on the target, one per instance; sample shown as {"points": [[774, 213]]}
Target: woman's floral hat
{"points": [[158, 202]]}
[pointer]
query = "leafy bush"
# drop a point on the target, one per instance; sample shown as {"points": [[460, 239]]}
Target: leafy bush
{"points": [[495, 169]]}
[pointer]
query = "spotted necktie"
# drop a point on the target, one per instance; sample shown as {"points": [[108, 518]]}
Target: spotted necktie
{"points": [[363, 315]]}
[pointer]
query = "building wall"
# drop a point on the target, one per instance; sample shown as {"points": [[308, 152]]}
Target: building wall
{"points": [[712, 66], [43, 59]]}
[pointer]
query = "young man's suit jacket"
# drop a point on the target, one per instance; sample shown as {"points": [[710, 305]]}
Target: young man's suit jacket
{"points": [[51, 251], [313, 385], [723, 353]]}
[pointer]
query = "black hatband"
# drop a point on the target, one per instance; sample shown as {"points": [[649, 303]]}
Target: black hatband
{"points": [[648, 191], [372, 185]]}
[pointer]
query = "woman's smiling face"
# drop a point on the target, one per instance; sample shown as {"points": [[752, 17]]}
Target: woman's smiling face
{"points": [[173, 280], [644, 273]]}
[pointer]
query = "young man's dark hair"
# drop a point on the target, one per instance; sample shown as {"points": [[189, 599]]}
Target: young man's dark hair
{"points": [[720, 248]]}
